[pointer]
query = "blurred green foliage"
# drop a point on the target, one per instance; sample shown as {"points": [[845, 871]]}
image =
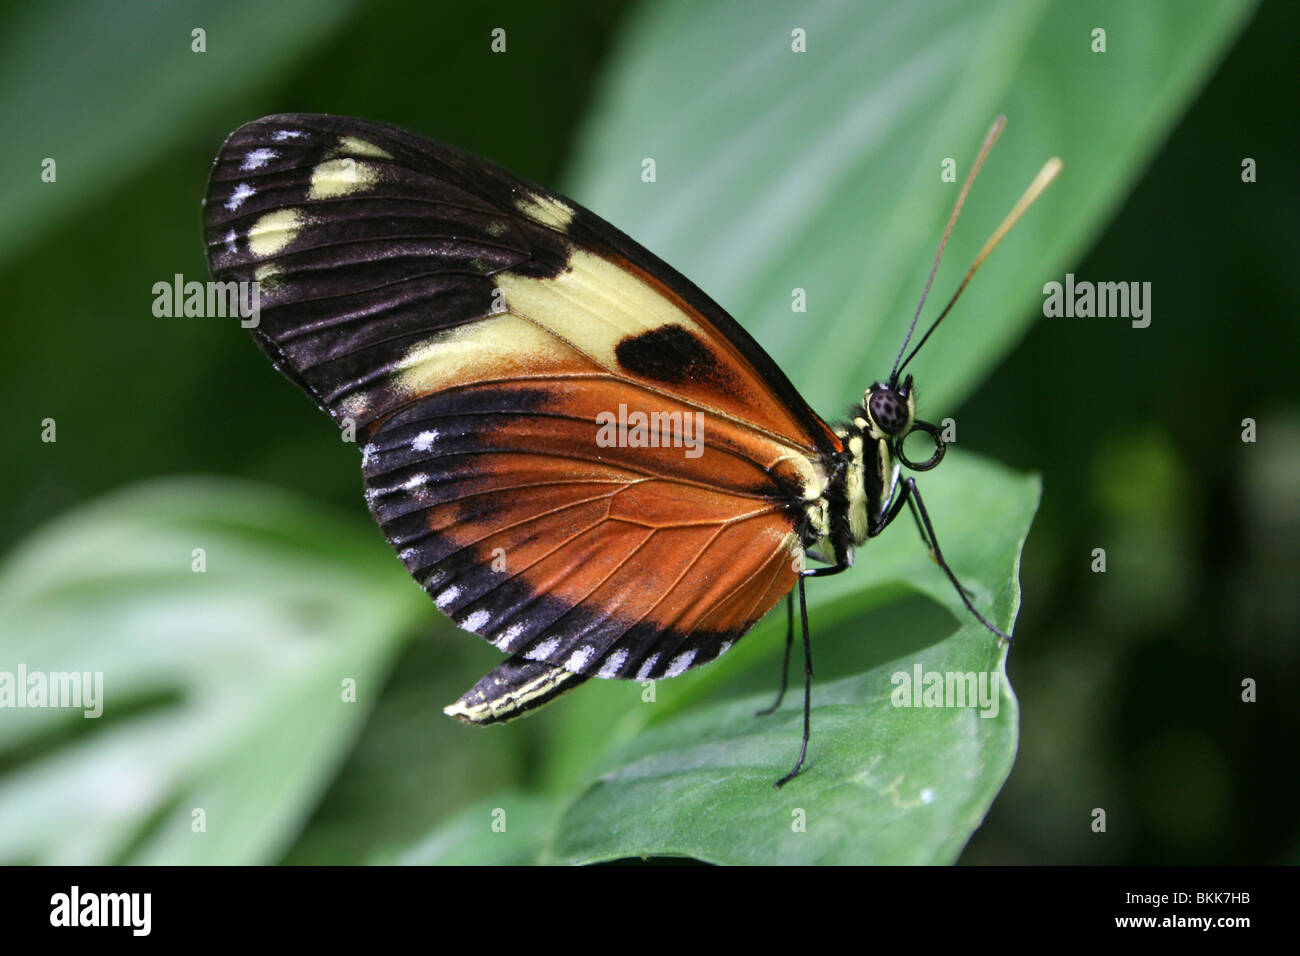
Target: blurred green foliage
{"points": [[1130, 681], [219, 694]]}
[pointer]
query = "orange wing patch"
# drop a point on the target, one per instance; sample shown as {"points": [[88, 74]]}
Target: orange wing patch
{"points": [[620, 561]]}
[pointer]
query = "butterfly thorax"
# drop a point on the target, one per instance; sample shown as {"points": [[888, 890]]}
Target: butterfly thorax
{"points": [[858, 489], [862, 477]]}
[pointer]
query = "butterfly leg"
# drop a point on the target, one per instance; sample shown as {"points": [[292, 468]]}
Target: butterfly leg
{"points": [[929, 543], [807, 688], [785, 666], [807, 662], [912, 496], [789, 632]]}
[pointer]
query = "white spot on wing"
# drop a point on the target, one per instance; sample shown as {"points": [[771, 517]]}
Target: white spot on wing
{"points": [[679, 663], [447, 596], [242, 192], [257, 158], [416, 481], [578, 659], [613, 664], [543, 650], [726, 646], [511, 634], [475, 620], [424, 441], [352, 406], [230, 241], [280, 135], [367, 454], [647, 667]]}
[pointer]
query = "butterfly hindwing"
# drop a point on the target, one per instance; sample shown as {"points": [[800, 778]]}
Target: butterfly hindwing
{"points": [[486, 338]]}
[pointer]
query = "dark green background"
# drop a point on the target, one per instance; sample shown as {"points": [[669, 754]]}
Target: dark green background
{"points": [[1127, 681]]}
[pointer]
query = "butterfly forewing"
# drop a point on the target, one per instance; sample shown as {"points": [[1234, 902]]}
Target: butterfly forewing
{"points": [[486, 338]]}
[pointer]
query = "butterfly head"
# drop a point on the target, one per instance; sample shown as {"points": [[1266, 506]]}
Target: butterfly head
{"points": [[890, 409]]}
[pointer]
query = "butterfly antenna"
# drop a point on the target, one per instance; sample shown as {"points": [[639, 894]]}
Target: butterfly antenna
{"points": [[1051, 169], [990, 138]]}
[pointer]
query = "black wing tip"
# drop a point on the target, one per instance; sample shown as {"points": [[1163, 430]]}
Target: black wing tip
{"points": [[512, 689]]}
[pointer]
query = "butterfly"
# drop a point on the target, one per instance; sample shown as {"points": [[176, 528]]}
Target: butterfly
{"points": [[576, 452]]}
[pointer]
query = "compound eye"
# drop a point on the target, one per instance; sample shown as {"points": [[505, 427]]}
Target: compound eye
{"points": [[889, 410]]}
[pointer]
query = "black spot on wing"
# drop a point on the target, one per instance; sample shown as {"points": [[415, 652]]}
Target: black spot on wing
{"points": [[670, 353]]}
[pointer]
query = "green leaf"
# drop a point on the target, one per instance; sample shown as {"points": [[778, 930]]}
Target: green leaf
{"points": [[222, 689], [506, 828], [119, 84], [821, 170], [883, 784]]}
